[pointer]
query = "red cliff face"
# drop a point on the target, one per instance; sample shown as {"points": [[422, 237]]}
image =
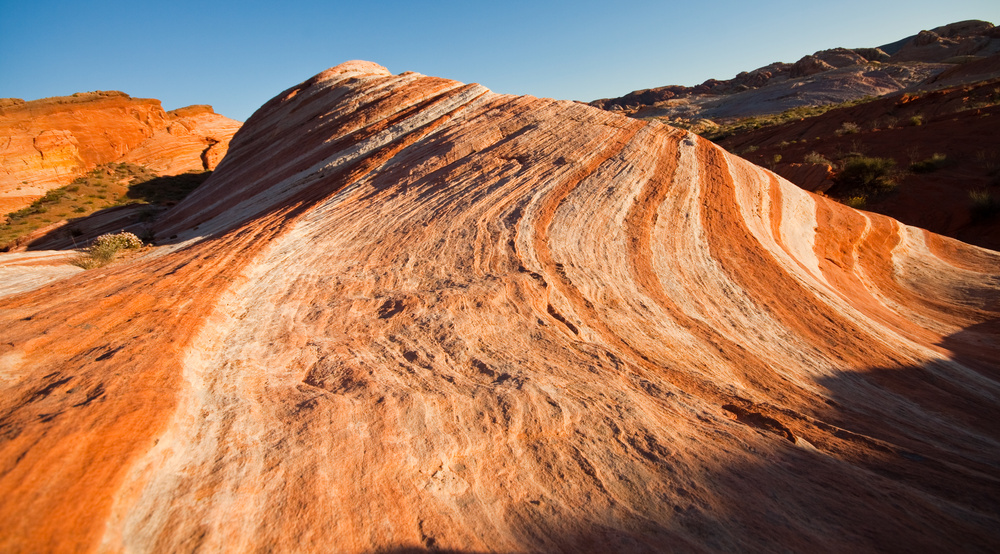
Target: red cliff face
{"points": [[406, 313], [47, 143]]}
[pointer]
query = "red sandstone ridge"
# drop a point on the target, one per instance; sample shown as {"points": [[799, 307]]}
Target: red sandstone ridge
{"points": [[47, 143], [407, 313], [957, 124]]}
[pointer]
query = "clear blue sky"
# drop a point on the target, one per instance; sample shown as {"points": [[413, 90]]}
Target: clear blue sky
{"points": [[237, 55]]}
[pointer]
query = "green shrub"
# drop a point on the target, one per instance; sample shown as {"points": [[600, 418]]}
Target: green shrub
{"points": [[105, 247], [856, 202], [869, 174], [917, 120]]}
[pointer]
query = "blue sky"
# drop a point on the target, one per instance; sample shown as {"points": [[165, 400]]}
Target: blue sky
{"points": [[237, 55]]}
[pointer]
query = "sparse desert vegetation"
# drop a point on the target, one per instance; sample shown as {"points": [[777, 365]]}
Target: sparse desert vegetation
{"points": [[106, 186], [933, 163], [105, 248], [985, 206], [816, 158], [748, 124], [849, 128], [866, 176]]}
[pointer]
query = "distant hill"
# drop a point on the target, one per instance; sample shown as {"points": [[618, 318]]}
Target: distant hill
{"points": [[953, 54], [47, 143]]}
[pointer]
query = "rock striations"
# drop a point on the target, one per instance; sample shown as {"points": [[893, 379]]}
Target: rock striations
{"points": [[47, 143], [409, 313]]}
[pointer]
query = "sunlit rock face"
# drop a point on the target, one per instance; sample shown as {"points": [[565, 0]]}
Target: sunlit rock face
{"points": [[408, 313], [45, 144]]}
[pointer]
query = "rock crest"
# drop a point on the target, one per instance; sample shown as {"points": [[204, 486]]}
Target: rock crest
{"points": [[408, 313]]}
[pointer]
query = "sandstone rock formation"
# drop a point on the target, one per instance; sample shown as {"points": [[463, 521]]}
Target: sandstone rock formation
{"points": [[957, 125], [406, 313], [825, 77], [47, 143]]}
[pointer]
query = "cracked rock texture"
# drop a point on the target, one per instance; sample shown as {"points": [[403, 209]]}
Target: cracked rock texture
{"points": [[407, 313], [45, 144]]}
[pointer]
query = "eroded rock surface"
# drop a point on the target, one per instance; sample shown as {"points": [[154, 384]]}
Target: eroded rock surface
{"points": [[409, 313], [47, 143]]}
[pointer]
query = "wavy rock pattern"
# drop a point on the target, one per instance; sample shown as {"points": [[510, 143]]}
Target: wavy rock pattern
{"points": [[410, 313]]}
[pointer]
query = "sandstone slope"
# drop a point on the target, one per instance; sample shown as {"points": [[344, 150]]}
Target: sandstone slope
{"points": [[408, 313], [957, 126], [47, 143]]}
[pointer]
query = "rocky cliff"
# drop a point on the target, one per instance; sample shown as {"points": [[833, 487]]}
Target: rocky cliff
{"points": [[47, 143], [406, 313]]}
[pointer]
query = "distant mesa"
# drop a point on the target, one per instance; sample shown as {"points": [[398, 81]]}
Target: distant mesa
{"points": [[408, 314], [45, 144]]}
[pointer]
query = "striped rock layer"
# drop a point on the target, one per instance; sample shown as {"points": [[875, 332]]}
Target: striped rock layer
{"points": [[410, 313]]}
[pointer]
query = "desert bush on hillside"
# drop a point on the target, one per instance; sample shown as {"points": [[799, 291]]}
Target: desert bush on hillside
{"points": [[867, 172], [816, 158], [886, 122], [105, 186], [864, 177], [105, 247], [856, 202], [934, 163], [848, 128], [917, 120], [985, 206], [747, 124], [990, 160]]}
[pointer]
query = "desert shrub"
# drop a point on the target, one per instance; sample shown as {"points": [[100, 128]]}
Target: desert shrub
{"points": [[990, 159], [105, 247], [934, 163], [863, 179], [984, 205], [856, 202], [848, 128], [815, 158], [887, 122], [917, 120], [867, 173]]}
